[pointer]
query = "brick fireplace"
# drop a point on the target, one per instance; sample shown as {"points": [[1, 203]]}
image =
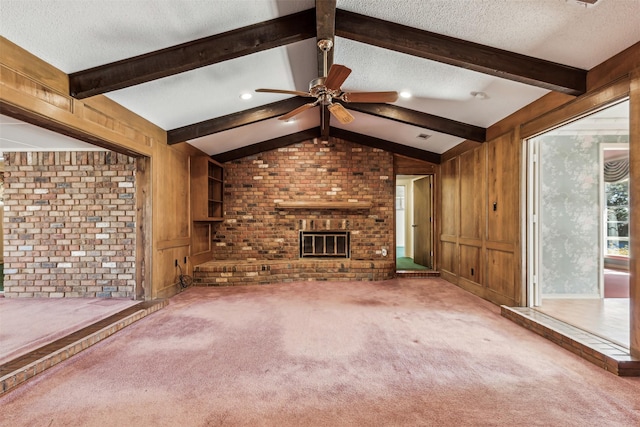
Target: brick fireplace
{"points": [[276, 198]]}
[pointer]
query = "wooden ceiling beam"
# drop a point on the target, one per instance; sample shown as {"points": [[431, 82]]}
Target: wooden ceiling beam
{"points": [[271, 144], [461, 53], [382, 144], [191, 55], [325, 29], [423, 120], [234, 120]]}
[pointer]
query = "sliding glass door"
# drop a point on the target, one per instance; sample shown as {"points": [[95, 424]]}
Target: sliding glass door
{"points": [[577, 204]]}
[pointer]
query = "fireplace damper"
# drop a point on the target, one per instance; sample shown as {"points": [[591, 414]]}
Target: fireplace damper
{"points": [[325, 244]]}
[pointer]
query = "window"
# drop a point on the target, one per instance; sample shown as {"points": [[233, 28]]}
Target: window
{"points": [[617, 237], [399, 197]]}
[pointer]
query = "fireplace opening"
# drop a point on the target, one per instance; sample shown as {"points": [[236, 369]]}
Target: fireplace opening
{"points": [[325, 244]]}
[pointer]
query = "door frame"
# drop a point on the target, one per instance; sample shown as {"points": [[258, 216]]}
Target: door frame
{"points": [[409, 212], [531, 203]]}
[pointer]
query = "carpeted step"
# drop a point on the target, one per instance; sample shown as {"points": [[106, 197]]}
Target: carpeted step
{"points": [[22, 368], [602, 352]]}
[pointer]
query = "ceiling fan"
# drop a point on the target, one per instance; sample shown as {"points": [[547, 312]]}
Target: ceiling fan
{"points": [[326, 89]]}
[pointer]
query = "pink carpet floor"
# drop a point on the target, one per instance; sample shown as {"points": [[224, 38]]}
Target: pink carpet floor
{"points": [[396, 353], [616, 284], [29, 323]]}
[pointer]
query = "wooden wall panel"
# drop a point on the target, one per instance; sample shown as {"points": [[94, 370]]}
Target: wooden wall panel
{"points": [[407, 166], [615, 67], [470, 263], [449, 257], [472, 194], [501, 273], [503, 180], [475, 238], [450, 198], [201, 242], [171, 187]]}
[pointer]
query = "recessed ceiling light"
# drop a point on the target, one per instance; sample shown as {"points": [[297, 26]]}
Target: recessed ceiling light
{"points": [[289, 122], [246, 96], [405, 94], [479, 95], [423, 136]]}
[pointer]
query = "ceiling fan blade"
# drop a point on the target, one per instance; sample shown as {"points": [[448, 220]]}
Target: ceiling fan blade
{"points": [[341, 113], [337, 75], [298, 110], [370, 97], [286, 92]]}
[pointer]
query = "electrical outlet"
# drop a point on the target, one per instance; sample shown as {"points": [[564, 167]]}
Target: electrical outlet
{"points": [[384, 251]]}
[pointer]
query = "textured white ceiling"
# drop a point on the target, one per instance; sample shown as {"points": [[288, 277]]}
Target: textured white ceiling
{"points": [[563, 31], [78, 34]]}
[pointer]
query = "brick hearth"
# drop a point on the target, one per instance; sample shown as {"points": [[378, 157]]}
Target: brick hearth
{"points": [[234, 273]]}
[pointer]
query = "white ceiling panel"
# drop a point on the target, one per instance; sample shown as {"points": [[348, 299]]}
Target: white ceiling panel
{"points": [[399, 133], [215, 90], [18, 136], [563, 31], [74, 35], [258, 132]]}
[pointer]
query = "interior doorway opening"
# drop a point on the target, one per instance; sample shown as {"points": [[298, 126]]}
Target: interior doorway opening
{"points": [[111, 187], [414, 222], [577, 223]]}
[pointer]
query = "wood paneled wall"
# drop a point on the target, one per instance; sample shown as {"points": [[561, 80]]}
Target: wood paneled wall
{"points": [[34, 91], [474, 176], [480, 220]]}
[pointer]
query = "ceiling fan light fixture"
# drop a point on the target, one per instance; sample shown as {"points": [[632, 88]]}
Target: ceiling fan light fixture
{"points": [[328, 87]]}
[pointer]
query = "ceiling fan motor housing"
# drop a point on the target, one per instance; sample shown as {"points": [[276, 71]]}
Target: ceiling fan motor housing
{"points": [[320, 91]]}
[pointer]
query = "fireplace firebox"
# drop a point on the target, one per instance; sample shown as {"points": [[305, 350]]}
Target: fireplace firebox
{"points": [[325, 244]]}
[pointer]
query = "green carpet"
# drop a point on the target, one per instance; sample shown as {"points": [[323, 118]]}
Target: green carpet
{"points": [[406, 263]]}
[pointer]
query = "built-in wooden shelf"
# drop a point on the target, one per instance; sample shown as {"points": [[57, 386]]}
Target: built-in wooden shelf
{"points": [[322, 204], [206, 189]]}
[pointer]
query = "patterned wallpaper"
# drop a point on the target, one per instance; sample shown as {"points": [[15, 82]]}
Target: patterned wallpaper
{"points": [[570, 213]]}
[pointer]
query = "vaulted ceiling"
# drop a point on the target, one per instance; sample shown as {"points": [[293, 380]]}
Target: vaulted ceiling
{"points": [[185, 64]]}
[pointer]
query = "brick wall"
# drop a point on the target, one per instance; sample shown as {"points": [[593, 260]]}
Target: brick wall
{"points": [[256, 229], [69, 224]]}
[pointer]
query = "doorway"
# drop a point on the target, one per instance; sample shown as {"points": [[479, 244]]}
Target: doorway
{"points": [[112, 190], [577, 223], [414, 222]]}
